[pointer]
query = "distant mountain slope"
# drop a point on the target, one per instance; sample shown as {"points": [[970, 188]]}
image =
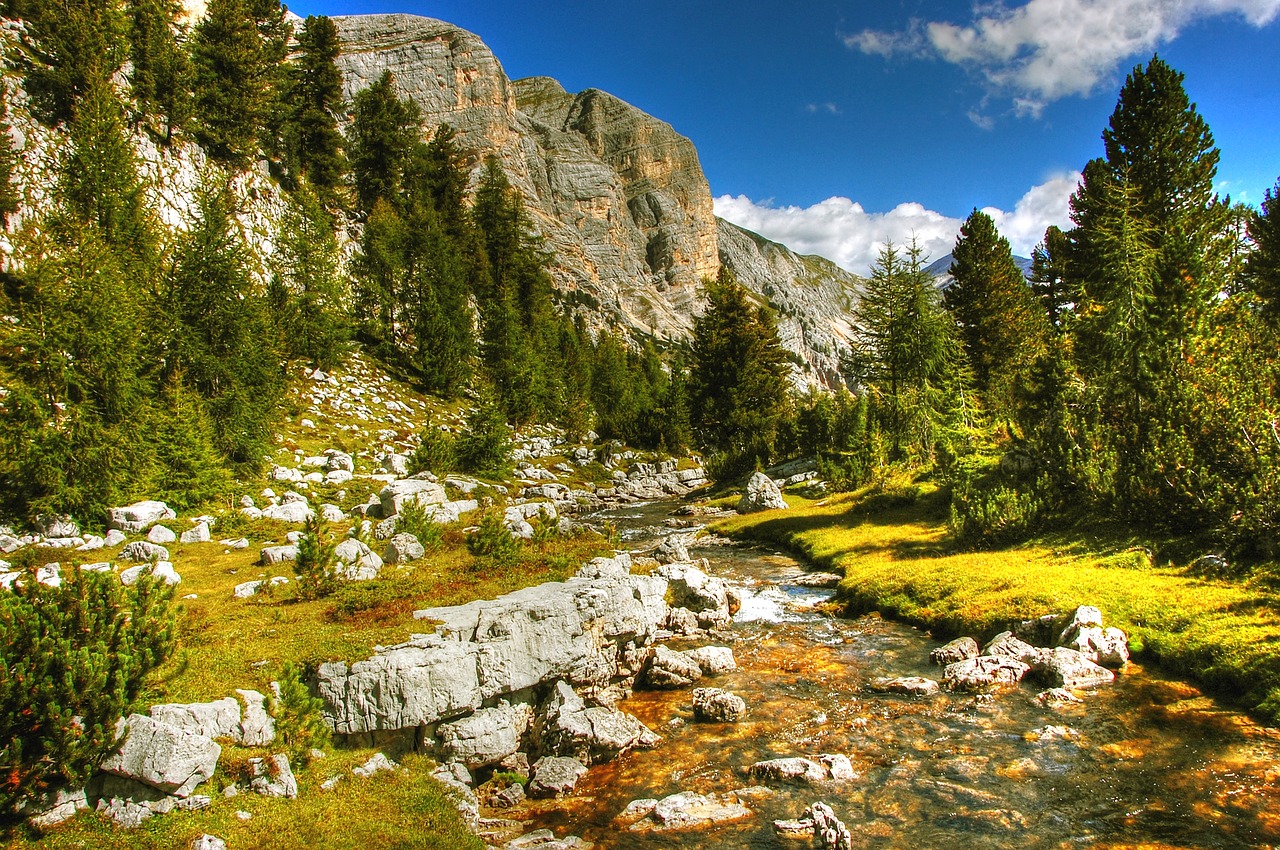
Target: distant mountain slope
{"points": [[940, 269], [619, 196]]}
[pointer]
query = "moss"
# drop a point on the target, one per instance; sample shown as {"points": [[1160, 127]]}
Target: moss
{"points": [[897, 559]]}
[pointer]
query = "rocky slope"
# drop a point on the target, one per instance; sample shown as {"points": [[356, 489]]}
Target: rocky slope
{"points": [[619, 196]]}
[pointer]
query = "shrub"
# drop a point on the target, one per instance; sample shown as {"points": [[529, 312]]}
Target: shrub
{"points": [[986, 511], [485, 447], [74, 657], [316, 565], [298, 715], [492, 540], [414, 519], [438, 453]]}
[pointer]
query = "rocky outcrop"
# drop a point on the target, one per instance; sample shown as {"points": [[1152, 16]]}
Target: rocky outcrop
{"points": [[762, 494], [618, 195]]}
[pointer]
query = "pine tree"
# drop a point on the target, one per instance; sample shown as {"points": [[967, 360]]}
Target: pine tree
{"points": [[235, 72], [160, 77], [905, 352], [223, 337], [383, 133], [1004, 333], [1262, 269], [73, 44], [75, 657], [380, 280], [312, 143], [738, 387], [9, 200], [308, 288], [189, 468], [1049, 275]]}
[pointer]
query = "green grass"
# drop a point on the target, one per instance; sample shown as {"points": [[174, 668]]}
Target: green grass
{"points": [[897, 559]]}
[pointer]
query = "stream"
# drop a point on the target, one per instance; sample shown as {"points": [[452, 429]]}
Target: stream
{"points": [[1147, 762]]}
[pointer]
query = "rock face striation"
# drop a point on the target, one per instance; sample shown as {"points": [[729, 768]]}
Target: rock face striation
{"points": [[618, 195]]}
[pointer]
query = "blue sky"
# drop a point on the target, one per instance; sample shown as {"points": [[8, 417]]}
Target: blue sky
{"points": [[833, 126]]}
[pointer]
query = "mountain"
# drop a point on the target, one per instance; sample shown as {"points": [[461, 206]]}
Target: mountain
{"points": [[940, 269], [618, 195]]}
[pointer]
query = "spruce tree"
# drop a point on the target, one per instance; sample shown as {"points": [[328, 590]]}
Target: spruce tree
{"points": [[161, 73], [1262, 269], [738, 387], [72, 45], [381, 139], [308, 287], [189, 468], [9, 200], [312, 143], [1049, 275], [1004, 333]]}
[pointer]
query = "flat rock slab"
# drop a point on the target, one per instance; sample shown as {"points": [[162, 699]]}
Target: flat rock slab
{"points": [[688, 811], [163, 756], [910, 685], [984, 673]]}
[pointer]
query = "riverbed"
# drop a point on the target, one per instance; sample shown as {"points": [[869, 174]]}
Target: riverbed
{"points": [[1146, 762]]}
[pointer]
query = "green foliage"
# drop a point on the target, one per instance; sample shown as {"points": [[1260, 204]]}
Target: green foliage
{"points": [[298, 715], [73, 45], [738, 388], [436, 452], [161, 69], [414, 519], [1003, 330], [223, 336], [190, 469], [906, 354], [990, 509], [9, 199], [236, 55], [308, 289], [1262, 270], [316, 565], [484, 447], [384, 129], [74, 658], [491, 541], [310, 138]]}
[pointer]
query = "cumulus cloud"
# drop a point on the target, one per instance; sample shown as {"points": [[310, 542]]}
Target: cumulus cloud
{"points": [[1045, 50], [845, 233]]}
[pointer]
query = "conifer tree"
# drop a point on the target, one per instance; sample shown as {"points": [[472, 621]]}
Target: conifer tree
{"points": [[189, 468], [308, 289], [9, 200], [1049, 275], [738, 375], [161, 73], [312, 143], [1004, 334], [75, 657], [1262, 269], [384, 131], [223, 337], [73, 45]]}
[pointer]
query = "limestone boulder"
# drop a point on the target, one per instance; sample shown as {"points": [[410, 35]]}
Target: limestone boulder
{"points": [[278, 554], [198, 534], [291, 512], [161, 534], [1005, 645], [486, 737], [1067, 668], [688, 811], [668, 669], [717, 706], [555, 776], [424, 491], [138, 517], [983, 673], [217, 719], [141, 550], [960, 649], [403, 548], [761, 495], [165, 757], [713, 660], [792, 769], [356, 561], [273, 777], [567, 727], [910, 685]]}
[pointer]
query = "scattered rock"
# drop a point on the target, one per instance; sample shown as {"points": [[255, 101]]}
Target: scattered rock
{"points": [[717, 706], [376, 763], [139, 516], [668, 669], [217, 719], [198, 534], [689, 811], [162, 756], [791, 769], [273, 777], [1067, 668], [983, 673], [713, 660], [141, 550], [1005, 645], [208, 842], [554, 776], [960, 649], [356, 561], [487, 736], [761, 495], [828, 832], [912, 685], [403, 548], [257, 726], [161, 534]]}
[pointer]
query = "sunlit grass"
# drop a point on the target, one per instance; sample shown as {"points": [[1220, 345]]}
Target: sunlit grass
{"points": [[897, 559]]}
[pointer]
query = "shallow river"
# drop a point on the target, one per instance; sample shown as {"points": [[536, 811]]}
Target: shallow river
{"points": [[1147, 762]]}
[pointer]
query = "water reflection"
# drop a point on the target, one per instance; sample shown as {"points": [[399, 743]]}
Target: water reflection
{"points": [[1147, 763]]}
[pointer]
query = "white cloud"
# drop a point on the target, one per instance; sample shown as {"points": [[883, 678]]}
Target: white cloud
{"points": [[1044, 50], [829, 108], [842, 231]]}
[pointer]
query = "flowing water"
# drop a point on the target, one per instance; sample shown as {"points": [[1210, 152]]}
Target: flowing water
{"points": [[1147, 762]]}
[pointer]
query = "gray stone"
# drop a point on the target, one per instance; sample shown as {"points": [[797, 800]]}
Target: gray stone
{"points": [[257, 726], [424, 492], [838, 767], [208, 842], [246, 589], [911, 685], [555, 776], [689, 811], [673, 549], [332, 513], [1005, 645], [162, 570], [376, 763], [792, 769], [356, 561], [717, 706], [712, 660], [292, 512], [960, 649], [395, 464], [403, 548], [273, 777], [338, 460], [161, 534], [1067, 668], [138, 516], [983, 673], [114, 537], [487, 736], [141, 550], [218, 719], [828, 831], [668, 669], [61, 807], [567, 727], [58, 526], [162, 756], [761, 495], [278, 554], [197, 534]]}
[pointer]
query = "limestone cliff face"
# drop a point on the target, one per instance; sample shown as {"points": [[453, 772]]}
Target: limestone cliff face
{"points": [[811, 298], [619, 196]]}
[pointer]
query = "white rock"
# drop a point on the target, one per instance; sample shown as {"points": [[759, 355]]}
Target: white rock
{"points": [[198, 534], [162, 756], [138, 516], [160, 534]]}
